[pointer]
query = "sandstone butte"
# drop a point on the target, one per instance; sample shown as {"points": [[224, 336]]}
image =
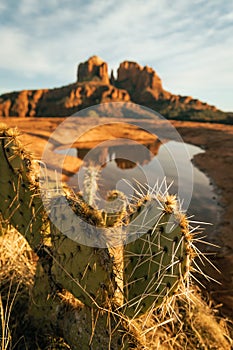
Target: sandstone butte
{"points": [[133, 83]]}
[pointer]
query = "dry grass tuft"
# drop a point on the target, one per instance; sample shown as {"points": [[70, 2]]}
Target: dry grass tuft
{"points": [[17, 269], [17, 260], [187, 323]]}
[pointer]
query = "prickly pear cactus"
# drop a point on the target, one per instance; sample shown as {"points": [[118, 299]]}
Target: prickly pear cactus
{"points": [[157, 262], [125, 282], [21, 204], [81, 326]]}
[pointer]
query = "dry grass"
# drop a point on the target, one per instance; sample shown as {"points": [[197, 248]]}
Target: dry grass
{"points": [[17, 260], [187, 322], [17, 268]]}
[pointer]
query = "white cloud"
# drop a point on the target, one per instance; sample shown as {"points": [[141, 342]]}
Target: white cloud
{"points": [[28, 7], [17, 53]]}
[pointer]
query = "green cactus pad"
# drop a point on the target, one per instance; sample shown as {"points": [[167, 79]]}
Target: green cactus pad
{"points": [[84, 270], [158, 261], [92, 329], [21, 204], [82, 327]]}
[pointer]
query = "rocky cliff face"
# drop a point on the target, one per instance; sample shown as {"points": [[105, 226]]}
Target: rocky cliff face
{"points": [[136, 79], [145, 87], [23, 103], [133, 83], [94, 69]]}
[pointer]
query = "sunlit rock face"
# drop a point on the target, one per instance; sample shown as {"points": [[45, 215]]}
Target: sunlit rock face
{"points": [[94, 69]]}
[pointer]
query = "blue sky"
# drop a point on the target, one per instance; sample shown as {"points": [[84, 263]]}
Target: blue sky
{"points": [[188, 43]]}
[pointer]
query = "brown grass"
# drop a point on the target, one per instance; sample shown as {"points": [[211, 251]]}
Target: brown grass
{"points": [[17, 268]]}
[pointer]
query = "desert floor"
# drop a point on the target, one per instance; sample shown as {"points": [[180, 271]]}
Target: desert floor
{"points": [[216, 162]]}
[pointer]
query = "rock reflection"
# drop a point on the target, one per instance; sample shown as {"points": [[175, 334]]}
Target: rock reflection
{"points": [[126, 156]]}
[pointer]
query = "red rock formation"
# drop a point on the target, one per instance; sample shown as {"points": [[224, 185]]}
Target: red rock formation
{"points": [[93, 69], [142, 83], [59, 102], [20, 104], [145, 88], [134, 83], [135, 78]]}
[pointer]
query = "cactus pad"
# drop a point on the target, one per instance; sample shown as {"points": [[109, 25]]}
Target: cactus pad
{"points": [[84, 270], [21, 204], [157, 262]]}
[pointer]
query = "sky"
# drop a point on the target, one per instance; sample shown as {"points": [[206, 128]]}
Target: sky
{"points": [[188, 43]]}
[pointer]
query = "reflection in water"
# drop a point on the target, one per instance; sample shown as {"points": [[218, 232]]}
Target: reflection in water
{"points": [[127, 155], [122, 165]]}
